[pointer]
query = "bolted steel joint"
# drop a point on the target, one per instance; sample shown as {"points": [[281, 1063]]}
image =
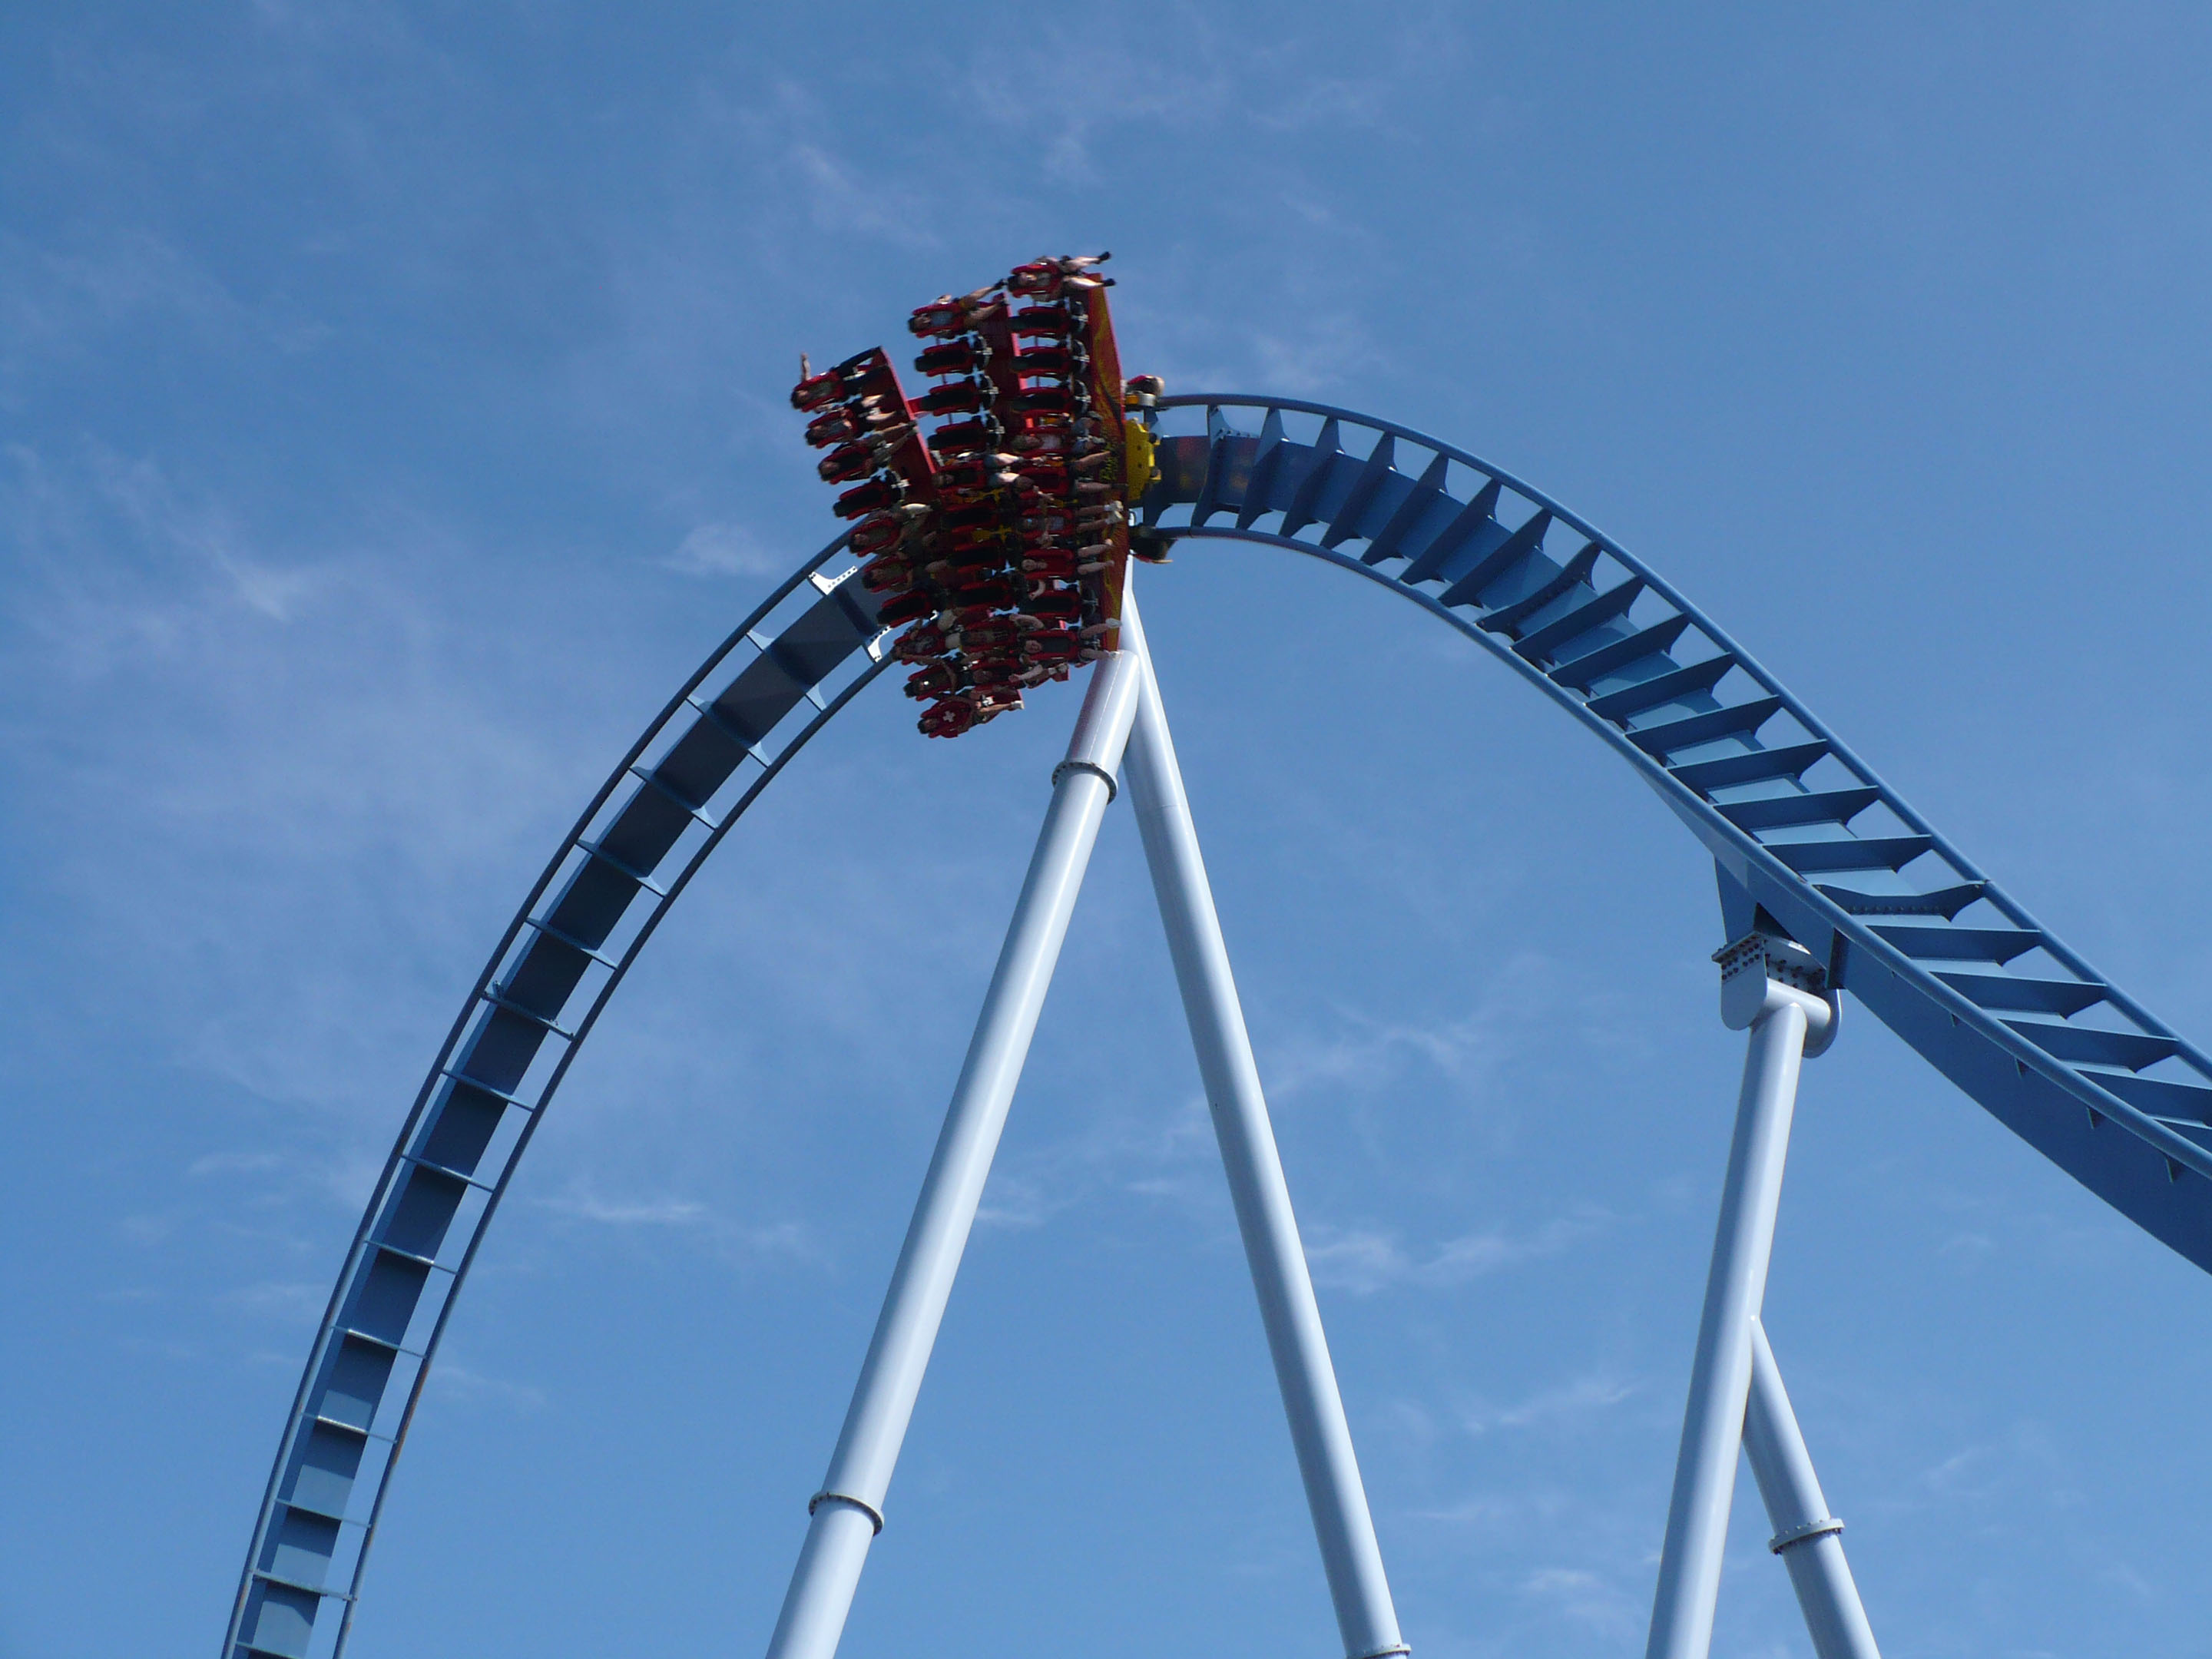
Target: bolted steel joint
{"points": [[1763, 972], [1810, 1530]]}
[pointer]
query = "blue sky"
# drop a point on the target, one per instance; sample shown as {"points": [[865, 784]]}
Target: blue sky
{"points": [[391, 413]]}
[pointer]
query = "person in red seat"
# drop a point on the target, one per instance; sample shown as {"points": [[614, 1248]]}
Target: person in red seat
{"points": [[1051, 600], [909, 607], [987, 469], [834, 428], [1065, 644], [923, 643], [948, 719], [996, 633], [1049, 564], [816, 390], [938, 680], [879, 531], [957, 437], [874, 496], [887, 576], [1043, 279], [941, 316], [847, 461]]}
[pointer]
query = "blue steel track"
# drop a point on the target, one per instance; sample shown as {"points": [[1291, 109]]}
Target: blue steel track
{"points": [[1805, 838]]}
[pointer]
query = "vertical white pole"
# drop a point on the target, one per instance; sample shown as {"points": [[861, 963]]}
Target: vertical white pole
{"points": [[1780, 1016], [1350, 1554], [848, 1512], [1809, 1541]]}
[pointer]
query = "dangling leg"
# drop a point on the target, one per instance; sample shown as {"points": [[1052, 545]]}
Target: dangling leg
{"points": [[849, 1512], [1350, 1555], [1809, 1541], [1755, 990]]}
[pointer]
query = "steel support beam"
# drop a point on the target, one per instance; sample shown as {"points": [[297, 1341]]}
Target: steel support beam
{"points": [[1764, 985], [849, 1512], [1809, 1541], [1350, 1555]]}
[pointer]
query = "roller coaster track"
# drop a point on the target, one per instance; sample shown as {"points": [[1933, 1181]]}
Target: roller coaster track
{"points": [[1804, 837]]}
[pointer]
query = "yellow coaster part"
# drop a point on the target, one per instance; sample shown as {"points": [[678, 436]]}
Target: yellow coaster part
{"points": [[1137, 468]]}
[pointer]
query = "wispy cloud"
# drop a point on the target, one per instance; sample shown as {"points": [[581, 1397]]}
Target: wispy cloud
{"points": [[717, 1235], [662, 1212], [234, 1163], [842, 201], [461, 1383], [1366, 1260], [1578, 1397], [726, 549], [1167, 1159], [1588, 1599]]}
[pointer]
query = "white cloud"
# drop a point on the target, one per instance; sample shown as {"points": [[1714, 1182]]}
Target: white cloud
{"points": [[725, 549], [1365, 1260], [843, 201], [660, 1212], [458, 1383], [1577, 1397], [234, 1163], [1588, 1599]]}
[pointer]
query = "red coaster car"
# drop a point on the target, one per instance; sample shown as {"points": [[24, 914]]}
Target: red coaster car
{"points": [[957, 436], [985, 471], [834, 428], [1050, 603], [1056, 564], [954, 398], [873, 496], [909, 607], [1043, 322], [996, 634], [847, 461], [997, 592], [938, 680], [887, 576], [923, 643], [953, 357], [877, 532], [1057, 644], [1046, 472], [1054, 360], [940, 317], [816, 390], [948, 719]]}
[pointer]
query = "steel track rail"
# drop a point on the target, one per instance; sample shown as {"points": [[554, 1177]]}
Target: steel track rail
{"points": [[2084, 1073], [319, 1514], [2080, 1055]]}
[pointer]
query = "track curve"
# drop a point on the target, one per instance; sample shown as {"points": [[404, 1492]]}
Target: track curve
{"points": [[1905, 922]]}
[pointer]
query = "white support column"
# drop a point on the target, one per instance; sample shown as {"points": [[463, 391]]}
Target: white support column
{"points": [[849, 1512], [1770, 985], [1350, 1554], [1809, 1541]]}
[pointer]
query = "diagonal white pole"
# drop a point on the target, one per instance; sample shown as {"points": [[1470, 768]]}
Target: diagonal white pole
{"points": [[849, 1512], [1756, 990], [1350, 1555], [1809, 1541]]}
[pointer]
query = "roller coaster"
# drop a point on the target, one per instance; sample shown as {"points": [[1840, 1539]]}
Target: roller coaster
{"points": [[1828, 882]]}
